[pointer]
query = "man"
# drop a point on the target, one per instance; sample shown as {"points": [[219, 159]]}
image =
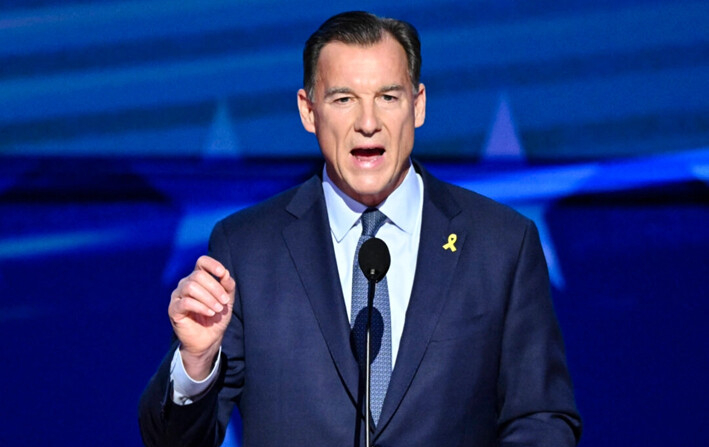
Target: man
{"points": [[470, 347]]}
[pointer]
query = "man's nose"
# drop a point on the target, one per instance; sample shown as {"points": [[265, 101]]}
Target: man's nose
{"points": [[368, 121]]}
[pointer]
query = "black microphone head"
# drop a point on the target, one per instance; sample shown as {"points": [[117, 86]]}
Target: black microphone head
{"points": [[374, 259]]}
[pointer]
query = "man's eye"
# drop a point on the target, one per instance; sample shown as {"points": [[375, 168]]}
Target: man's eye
{"points": [[343, 100], [389, 98]]}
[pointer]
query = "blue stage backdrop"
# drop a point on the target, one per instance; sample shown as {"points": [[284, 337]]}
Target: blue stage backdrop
{"points": [[128, 128]]}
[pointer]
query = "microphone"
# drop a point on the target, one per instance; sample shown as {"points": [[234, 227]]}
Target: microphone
{"points": [[374, 260]]}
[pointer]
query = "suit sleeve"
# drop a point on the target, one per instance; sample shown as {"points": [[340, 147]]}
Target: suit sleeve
{"points": [[202, 423], [535, 394]]}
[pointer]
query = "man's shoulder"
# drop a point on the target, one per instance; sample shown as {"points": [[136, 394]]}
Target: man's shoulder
{"points": [[275, 210], [472, 205]]}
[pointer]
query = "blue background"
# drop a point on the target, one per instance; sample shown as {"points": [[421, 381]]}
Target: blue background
{"points": [[128, 128]]}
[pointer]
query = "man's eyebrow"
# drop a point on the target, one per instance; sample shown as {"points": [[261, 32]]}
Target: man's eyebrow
{"points": [[337, 91], [391, 88]]}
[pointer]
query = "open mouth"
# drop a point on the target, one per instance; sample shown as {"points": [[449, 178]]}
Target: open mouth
{"points": [[367, 153]]}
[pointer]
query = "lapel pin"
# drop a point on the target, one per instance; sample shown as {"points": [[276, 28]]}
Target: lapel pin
{"points": [[451, 242]]}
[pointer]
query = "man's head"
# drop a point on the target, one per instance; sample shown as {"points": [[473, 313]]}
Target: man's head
{"points": [[362, 100]]}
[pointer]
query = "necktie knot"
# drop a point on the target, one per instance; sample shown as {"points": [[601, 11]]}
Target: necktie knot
{"points": [[372, 221]]}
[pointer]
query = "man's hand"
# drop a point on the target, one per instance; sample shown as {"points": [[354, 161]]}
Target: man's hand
{"points": [[200, 310]]}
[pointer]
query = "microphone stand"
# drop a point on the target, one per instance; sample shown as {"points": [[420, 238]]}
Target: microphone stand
{"points": [[368, 375]]}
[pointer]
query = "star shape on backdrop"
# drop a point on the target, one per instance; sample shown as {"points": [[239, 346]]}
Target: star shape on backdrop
{"points": [[221, 141], [197, 221], [503, 145]]}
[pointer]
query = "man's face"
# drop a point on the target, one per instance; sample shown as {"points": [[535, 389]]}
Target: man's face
{"points": [[363, 113]]}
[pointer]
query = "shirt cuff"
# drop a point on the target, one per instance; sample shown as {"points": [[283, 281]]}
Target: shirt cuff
{"points": [[186, 390]]}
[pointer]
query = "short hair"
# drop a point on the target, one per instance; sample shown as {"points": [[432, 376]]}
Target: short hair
{"points": [[364, 29]]}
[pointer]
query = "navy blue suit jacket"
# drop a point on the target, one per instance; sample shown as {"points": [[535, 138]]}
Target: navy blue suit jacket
{"points": [[481, 361]]}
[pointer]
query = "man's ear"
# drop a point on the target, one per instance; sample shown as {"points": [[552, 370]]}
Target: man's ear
{"points": [[307, 114], [420, 106]]}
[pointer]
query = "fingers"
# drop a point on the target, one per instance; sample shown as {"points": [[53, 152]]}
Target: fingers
{"points": [[206, 291], [216, 269], [183, 305]]}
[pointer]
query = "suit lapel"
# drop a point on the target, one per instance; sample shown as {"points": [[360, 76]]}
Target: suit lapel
{"points": [[434, 271], [310, 244]]}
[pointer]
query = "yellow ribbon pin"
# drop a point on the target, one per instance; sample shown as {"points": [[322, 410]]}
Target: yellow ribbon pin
{"points": [[451, 242]]}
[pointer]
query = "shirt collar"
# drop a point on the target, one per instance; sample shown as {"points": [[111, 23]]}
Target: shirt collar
{"points": [[344, 212]]}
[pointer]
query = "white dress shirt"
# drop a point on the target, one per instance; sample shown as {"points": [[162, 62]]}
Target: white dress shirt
{"points": [[401, 232]]}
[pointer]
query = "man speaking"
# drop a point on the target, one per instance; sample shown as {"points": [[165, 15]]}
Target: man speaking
{"points": [[466, 347]]}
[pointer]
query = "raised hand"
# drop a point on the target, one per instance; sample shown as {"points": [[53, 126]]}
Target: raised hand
{"points": [[200, 309]]}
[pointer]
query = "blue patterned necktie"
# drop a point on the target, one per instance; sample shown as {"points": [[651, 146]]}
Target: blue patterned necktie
{"points": [[372, 220]]}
